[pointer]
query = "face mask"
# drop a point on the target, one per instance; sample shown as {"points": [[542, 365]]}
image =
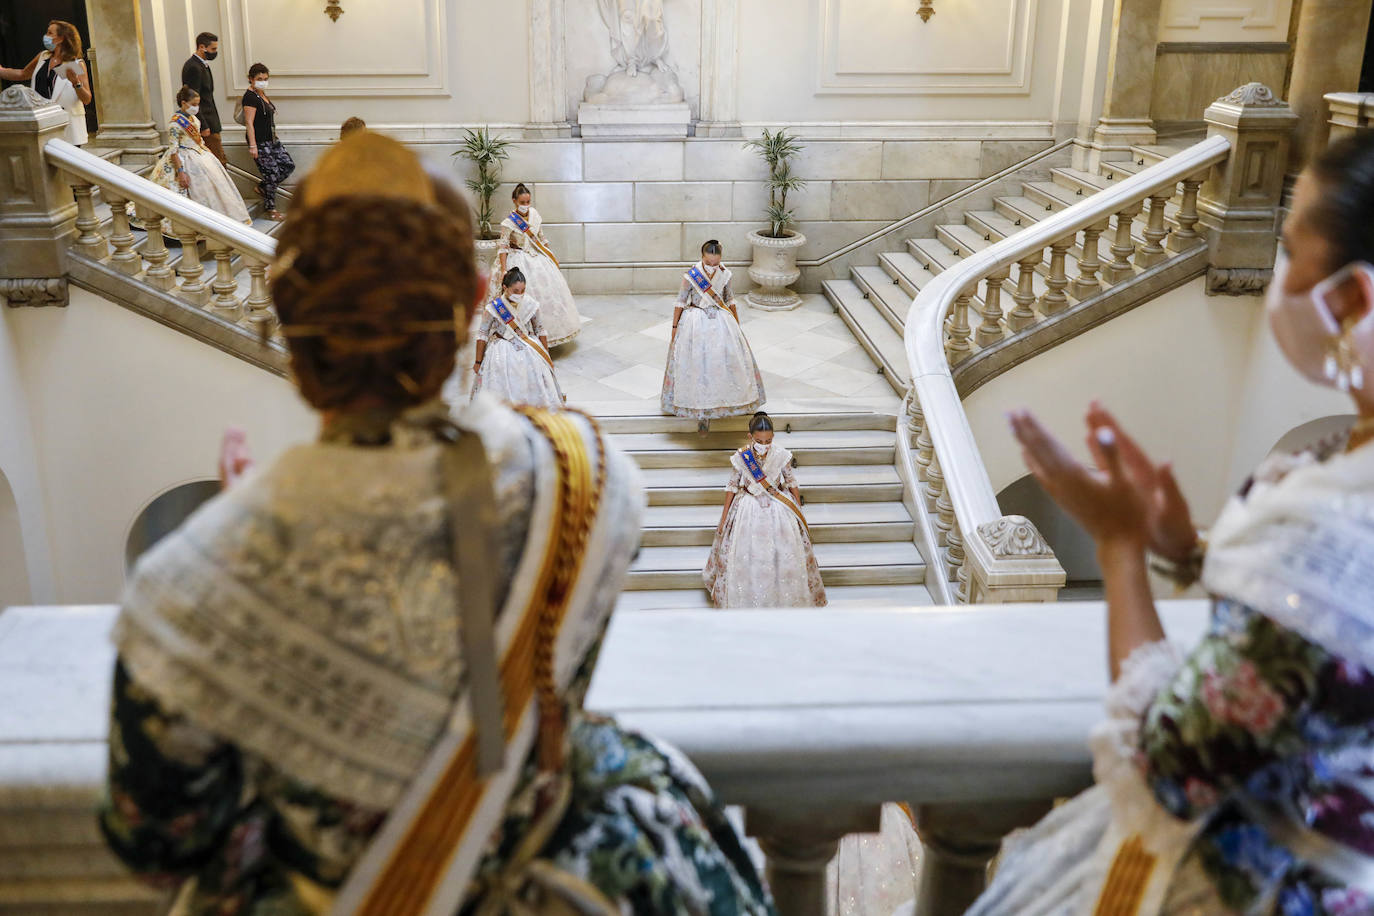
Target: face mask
{"points": [[260, 85], [515, 297], [192, 109], [522, 210], [761, 449], [211, 55], [1307, 332], [49, 42]]}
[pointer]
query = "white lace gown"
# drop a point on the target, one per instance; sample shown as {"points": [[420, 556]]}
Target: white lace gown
{"points": [[512, 370], [762, 555], [543, 280], [876, 874], [711, 371], [211, 185]]}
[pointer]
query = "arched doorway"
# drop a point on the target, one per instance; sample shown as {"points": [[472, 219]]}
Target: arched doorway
{"points": [[14, 573], [1072, 545], [162, 516]]}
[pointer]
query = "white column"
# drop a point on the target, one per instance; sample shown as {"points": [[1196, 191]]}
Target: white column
{"points": [[719, 110], [548, 89]]}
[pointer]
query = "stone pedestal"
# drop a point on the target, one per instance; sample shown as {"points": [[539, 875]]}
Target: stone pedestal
{"points": [[1125, 120], [1328, 53], [37, 210], [121, 73], [1238, 204], [652, 121]]}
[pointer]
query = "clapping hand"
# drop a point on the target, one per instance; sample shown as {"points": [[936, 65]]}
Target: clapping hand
{"points": [[1126, 498]]}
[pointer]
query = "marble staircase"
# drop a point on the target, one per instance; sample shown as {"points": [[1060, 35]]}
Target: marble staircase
{"points": [[875, 299], [862, 531]]}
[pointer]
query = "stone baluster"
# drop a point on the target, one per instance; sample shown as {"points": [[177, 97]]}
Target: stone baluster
{"points": [[943, 506], [259, 302], [1123, 246], [925, 451], [935, 482], [1187, 235], [88, 237], [189, 268], [1086, 283], [1152, 252], [159, 274], [990, 330], [1023, 316], [126, 258], [954, 544], [1054, 300], [957, 347], [225, 302], [958, 841], [799, 843]]}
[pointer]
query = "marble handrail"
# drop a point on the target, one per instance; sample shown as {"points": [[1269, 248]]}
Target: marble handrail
{"points": [[968, 491]]}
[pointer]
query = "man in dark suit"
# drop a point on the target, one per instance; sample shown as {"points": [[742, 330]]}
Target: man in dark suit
{"points": [[196, 74]]}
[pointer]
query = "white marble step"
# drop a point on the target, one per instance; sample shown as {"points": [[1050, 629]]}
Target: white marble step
{"points": [[785, 420], [909, 273], [874, 332], [80, 897], [669, 450], [885, 292], [885, 563], [830, 523], [823, 484], [855, 596]]}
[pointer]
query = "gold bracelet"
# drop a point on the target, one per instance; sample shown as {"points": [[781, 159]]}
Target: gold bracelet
{"points": [[1184, 573]]}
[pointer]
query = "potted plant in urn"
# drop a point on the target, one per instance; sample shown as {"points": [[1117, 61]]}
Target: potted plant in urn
{"points": [[487, 153], [775, 248]]}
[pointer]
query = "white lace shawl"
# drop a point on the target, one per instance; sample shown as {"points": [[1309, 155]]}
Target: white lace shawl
{"points": [[720, 282], [309, 614], [773, 464]]}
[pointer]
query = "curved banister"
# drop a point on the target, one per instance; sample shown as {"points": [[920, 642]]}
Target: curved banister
{"points": [[965, 476], [215, 226]]}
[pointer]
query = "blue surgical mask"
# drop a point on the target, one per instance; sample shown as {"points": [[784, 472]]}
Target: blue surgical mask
{"points": [[49, 42]]}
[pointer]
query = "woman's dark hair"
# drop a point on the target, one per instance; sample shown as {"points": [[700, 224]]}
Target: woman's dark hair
{"points": [[519, 189], [69, 37], [712, 247], [1345, 214], [362, 265], [256, 69], [512, 277], [185, 94], [760, 423]]}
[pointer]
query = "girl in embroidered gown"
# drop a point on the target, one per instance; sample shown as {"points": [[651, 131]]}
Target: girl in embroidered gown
{"points": [[762, 554], [523, 245], [314, 667], [189, 166], [1234, 778], [711, 370], [512, 361]]}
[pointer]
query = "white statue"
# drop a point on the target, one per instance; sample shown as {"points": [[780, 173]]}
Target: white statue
{"points": [[639, 45]]}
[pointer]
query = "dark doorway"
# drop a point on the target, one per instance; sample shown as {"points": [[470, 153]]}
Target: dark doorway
{"points": [[1367, 71], [22, 24]]}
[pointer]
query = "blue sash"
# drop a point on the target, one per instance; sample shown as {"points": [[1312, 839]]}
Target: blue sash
{"points": [[703, 285], [185, 123], [503, 312], [752, 465], [524, 227], [519, 221]]}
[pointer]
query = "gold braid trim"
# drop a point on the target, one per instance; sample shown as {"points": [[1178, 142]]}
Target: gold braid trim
{"points": [[527, 672], [1124, 889]]}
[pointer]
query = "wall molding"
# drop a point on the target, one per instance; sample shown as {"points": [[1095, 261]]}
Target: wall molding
{"points": [[1252, 15], [1222, 47]]}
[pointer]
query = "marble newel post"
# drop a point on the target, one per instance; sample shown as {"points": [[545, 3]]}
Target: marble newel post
{"points": [[548, 93], [37, 210], [121, 74], [1239, 201], [1328, 53], [1125, 120]]}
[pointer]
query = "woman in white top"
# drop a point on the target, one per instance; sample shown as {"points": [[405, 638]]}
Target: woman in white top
{"points": [[58, 73]]}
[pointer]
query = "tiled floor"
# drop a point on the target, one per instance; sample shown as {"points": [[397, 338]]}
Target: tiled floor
{"points": [[804, 354]]}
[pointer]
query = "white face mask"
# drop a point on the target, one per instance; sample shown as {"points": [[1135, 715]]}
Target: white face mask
{"points": [[1307, 331], [515, 297], [522, 210], [762, 449], [192, 109], [260, 85]]}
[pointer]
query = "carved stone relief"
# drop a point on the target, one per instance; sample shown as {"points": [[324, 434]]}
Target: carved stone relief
{"points": [[40, 293]]}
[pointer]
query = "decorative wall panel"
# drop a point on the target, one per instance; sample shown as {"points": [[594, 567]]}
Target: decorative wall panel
{"points": [[1224, 20], [882, 47]]}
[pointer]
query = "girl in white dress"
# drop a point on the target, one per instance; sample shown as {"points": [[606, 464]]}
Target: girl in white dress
{"points": [[762, 554], [523, 245], [711, 370], [189, 165], [513, 360]]}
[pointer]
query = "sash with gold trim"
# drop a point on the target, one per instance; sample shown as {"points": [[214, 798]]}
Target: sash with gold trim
{"points": [[524, 227], [422, 861], [751, 464], [703, 284], [503, 313]]}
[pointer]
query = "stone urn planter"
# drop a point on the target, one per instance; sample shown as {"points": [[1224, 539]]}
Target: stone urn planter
{"points": [[486, 251], [774, 270]]}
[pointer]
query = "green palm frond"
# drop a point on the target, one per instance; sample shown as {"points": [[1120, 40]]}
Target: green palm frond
{"points": [[487, 153], [777, 149]]}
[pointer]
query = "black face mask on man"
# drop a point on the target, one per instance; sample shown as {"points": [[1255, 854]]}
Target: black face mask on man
{"points": [[210, 55]]}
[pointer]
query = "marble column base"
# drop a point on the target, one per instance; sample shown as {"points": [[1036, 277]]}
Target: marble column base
{"points": [[652, 121], [718, 129], [1114, 137], [550, 131]]}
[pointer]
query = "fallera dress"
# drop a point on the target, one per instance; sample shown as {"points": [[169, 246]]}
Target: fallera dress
{"points": [[762, 555], [525, 246], [711, 371], [210, 183], [515, 366]]}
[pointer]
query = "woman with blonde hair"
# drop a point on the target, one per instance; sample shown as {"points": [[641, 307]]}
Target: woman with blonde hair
{"points": [[351, 683], [59, 73]]}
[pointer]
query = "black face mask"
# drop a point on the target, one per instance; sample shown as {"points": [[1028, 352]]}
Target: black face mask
{"points": [[211, 55]]}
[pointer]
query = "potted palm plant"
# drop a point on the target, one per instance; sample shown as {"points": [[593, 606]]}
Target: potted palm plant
{"points": [[775, 248], [486, 153]]}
